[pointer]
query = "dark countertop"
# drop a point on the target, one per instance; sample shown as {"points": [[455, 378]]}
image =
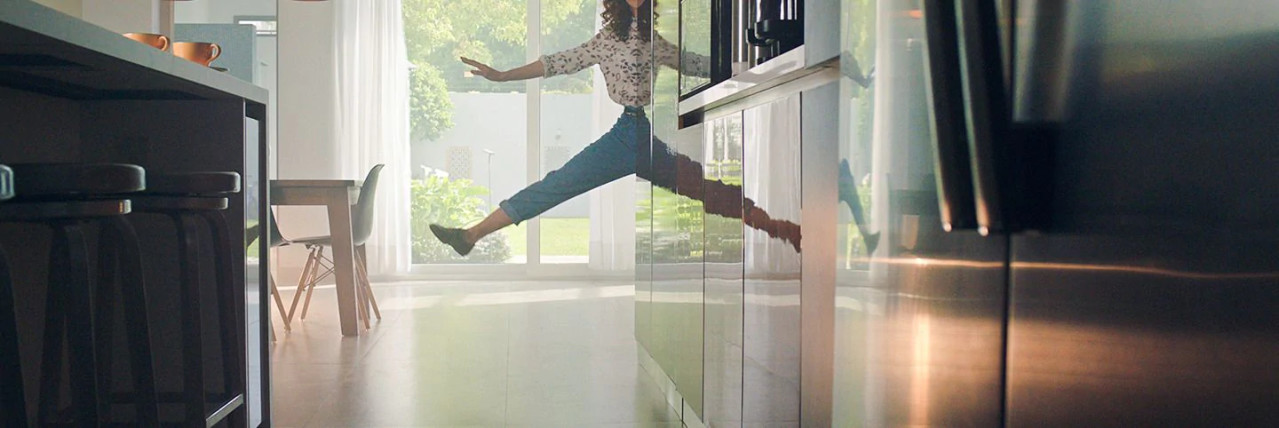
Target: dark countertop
{"points": [[45, 51]]}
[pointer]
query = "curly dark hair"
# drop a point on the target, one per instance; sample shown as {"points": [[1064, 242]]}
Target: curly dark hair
{"points": [[617, 19]]}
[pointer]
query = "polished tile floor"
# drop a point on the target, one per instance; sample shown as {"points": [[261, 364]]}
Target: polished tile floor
{"points": [[470, 354]]}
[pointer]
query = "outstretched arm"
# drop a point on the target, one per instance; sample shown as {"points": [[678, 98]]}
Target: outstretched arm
{"points": [[531, 70], [694, 64], [566, 62]]}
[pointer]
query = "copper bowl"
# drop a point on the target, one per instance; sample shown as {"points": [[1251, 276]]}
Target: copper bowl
{"points": [[197, 52], [158, 41]]}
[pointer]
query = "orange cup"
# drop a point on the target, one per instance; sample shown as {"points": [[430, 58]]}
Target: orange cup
{"points": [[197, 52], [158, 41]]}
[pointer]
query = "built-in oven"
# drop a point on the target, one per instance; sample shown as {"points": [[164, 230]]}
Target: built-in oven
{"points": [[734, 35], [774, 27]]}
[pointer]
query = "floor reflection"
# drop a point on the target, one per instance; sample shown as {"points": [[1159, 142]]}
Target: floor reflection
{"points": [[453, 354]]}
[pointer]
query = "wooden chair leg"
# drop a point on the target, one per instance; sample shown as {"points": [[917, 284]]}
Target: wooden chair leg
{"points": [[361, 299], [302, 282], [310, 287], [361, 308], [368, 286], [279, 302], [13, 401]]}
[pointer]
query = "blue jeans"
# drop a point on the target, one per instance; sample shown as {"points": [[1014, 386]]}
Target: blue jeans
{"points": [[612, 156], [624, 150]]}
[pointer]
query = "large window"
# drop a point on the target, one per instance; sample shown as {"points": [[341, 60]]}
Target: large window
{"points": [[476, 142]]}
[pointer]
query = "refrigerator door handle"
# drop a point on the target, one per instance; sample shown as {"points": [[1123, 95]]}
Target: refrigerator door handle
{"points": [[985, 108], [951, 166]]}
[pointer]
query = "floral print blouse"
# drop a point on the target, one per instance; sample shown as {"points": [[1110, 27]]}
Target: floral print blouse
{"points": [[626, 64]]}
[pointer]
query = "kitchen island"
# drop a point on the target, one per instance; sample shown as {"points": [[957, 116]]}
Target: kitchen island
{"points": [[72, 92]]}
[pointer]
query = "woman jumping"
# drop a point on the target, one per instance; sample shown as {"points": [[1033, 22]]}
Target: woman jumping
{"points": [[625, 52]]}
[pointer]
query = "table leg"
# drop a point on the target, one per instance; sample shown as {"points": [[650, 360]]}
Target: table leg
{"points": [[343, 258]]}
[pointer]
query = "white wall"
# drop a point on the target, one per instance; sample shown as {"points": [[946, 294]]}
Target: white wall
{"points": [[307, 78], [69, 7], [123, 16], [221, 11]]}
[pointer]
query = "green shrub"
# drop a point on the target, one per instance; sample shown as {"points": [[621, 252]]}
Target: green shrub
{"points": [[452, 203]]}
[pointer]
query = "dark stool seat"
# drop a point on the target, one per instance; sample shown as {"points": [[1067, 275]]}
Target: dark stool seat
{"points": [[65, 197], [194, 183], [189, 199], [187, 192], [69, 181], [60, 191], [18, 211], [6, 183]]}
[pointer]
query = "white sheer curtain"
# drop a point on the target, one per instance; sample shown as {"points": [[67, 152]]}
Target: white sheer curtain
{"points": [[373, 119]]}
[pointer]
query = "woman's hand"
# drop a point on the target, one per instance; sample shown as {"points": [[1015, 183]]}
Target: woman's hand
{"points": [[483, 70]]}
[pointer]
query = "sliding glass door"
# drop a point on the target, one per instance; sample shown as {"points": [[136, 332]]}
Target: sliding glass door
{"points": [[476, 142]]}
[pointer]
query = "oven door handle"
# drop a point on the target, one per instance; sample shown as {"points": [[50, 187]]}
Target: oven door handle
{"points": [[951, 165], [986, 109]]}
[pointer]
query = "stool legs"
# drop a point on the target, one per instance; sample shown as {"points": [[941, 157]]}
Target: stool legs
{"points": [[119, 253], [228, 314], [192, 331], [69, 295], [13, 403]]}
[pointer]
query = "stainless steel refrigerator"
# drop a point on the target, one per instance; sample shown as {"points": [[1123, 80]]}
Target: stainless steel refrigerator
{"points": [[1058, 213]]}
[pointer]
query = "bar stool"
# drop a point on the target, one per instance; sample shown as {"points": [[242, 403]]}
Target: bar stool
{"points": [[65, 197], [13, 401], [189, 199]]}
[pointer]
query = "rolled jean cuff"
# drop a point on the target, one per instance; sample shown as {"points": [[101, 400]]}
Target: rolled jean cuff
{"points": [[511, 213]]}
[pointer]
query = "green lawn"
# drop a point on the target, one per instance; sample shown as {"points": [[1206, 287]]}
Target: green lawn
{"points": [[560, 237]]}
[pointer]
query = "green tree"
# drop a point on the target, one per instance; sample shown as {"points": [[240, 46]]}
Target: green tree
{"points": [[437, 32], [430, 106]]}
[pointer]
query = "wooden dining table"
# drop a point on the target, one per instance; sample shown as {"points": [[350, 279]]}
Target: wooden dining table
{"points": [[337, 196]]}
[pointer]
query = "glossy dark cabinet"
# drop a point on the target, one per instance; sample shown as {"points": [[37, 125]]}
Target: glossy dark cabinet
{"points": [[1152, 298], [1134, 282], [1102, 251], [919, 311]]}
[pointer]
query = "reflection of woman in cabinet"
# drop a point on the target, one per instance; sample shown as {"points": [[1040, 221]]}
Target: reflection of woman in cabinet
{"points": [[625, 51]]}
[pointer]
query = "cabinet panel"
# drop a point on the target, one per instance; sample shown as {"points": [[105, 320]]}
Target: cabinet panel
{"points": [[771, 310], [919, 311], [686, 282], [667, 313], [821, 30], [1153, 298], [643, 262], [723, 255], [820, 198]]}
